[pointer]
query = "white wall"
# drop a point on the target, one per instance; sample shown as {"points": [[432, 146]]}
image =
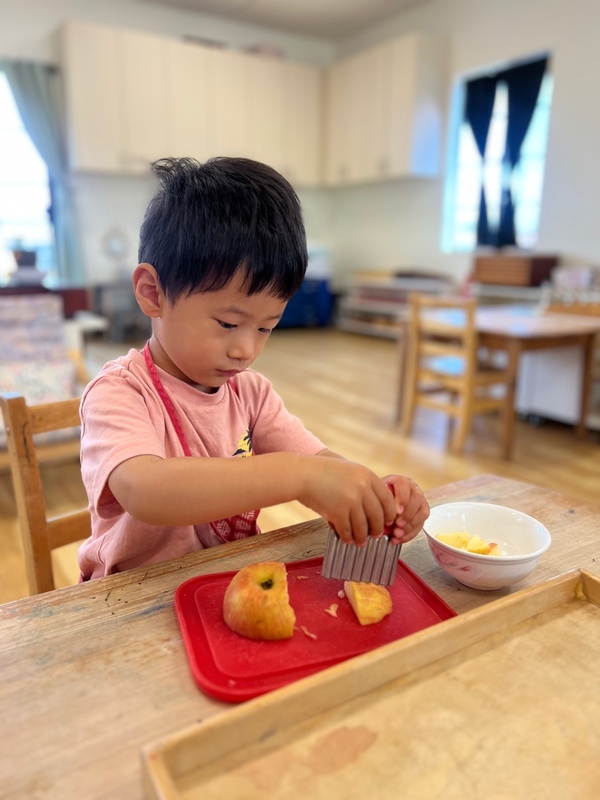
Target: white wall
{"points": [[398, 224]]}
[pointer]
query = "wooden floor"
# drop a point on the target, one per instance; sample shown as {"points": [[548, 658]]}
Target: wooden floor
{"points": [[342, 386]]}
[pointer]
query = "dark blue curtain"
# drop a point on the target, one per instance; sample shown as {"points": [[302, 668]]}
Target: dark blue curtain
{"points": [[524, 83], [479, 104]]}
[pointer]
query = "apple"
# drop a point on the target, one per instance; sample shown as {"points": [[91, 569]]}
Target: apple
{"points": [[370, 602], [473, 544], [477, 545], [459, 539], [257, 604]]}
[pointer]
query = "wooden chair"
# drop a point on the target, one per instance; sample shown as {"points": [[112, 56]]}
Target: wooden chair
{"points": [[444, 370], [40, 535]]}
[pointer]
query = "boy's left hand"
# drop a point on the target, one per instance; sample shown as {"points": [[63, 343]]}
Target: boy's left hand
{"points": [[412, 509]]}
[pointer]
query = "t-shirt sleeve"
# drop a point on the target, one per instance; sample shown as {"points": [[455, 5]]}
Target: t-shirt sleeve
{"points": [[273, 428], [116, 425]]}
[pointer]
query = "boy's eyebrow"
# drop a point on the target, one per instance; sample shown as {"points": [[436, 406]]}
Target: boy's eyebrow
{"points": [[241, 312]]}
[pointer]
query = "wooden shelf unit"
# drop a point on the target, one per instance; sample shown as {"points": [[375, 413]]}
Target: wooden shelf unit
{"points": [[377, 303]]}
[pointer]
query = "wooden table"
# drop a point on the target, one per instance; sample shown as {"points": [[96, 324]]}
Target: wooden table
{"points": [[90, 674], [519, 329]]}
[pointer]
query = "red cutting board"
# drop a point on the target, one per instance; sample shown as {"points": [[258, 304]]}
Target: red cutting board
{"points": [[232, 668]]}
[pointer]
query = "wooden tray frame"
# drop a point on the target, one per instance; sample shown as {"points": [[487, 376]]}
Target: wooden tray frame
{"points": [[248, 731]]}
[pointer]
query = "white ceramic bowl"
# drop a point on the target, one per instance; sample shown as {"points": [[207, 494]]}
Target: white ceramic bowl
{"points": [[522, 540]]}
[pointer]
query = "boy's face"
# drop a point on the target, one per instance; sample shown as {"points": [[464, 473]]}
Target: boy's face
{"points": [[207, 338]]}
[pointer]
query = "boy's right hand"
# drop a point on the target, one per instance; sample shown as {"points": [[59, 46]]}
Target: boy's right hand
{"points": [[352, 498]]}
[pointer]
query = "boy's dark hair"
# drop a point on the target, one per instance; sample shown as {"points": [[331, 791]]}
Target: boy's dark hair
{"points": [[210, 221]]}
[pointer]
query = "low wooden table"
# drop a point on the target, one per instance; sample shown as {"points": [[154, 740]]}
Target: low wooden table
{"points": [[91, 674]]}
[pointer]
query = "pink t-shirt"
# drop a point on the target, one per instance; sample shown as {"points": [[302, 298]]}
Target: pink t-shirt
{"points": [[123, 416]]}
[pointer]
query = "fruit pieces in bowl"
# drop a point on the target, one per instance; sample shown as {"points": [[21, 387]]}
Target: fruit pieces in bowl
{"points": [[522, 540], [472, 544]]}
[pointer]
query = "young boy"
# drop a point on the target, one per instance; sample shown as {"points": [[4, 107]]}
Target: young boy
{"points": [[182, 442]]}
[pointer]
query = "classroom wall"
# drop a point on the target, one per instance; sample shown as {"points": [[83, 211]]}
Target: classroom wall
{"points": [[388, 225], [400, 224]]}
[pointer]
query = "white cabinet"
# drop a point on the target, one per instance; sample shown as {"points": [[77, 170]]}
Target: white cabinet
{"points": [[284, 118], [144, 98], [190, 72], [385, 112], [230, 103], [134, 97], [118, 114], [265, 94], [302, 123], [342, 117], [92, 80]]}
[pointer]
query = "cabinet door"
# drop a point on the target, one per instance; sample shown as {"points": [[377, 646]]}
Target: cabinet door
{"points": [[230, 103], [91, 82], [339, 128], [353, 125], [189, 72], [369, 82], [265, 121], [384, 112], [302, 123], [145, 101], [416, 75]]}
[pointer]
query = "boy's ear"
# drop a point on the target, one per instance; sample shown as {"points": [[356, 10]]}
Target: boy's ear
{"points": [[148, 292]]}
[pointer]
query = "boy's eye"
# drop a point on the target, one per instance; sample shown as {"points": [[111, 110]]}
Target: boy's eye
{"points": [[265, 330], [227, 325]]}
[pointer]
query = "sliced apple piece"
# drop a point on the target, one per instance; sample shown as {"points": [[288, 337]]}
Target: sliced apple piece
{"points": [[370, 602], [459, 539], [257, 604], [477, 545], [494, 549]]}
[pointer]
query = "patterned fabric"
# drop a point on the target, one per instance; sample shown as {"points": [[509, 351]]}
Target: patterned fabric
{"points": [[238, 527], [31, 327], [34, 357]]}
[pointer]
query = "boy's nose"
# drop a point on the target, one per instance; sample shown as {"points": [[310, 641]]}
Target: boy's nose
{"points": [[242, 349]]}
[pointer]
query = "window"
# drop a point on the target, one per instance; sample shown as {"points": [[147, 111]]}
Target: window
{"points": [[461, 207], [24, 188]]}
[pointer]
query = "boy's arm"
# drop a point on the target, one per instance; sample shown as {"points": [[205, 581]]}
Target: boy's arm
{"points": [[187, 491]]}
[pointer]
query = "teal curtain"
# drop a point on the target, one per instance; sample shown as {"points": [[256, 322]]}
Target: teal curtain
{"points": [[32, 86]]}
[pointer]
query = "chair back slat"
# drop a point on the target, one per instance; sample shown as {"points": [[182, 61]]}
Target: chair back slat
{"points": [[68, 528], [55, 416], [39, 534]]}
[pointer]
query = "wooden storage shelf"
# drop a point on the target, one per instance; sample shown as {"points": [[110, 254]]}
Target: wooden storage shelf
{"points": [[514, 682], [377, 303]]}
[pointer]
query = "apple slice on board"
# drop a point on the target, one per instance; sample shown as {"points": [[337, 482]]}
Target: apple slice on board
{"points": [[257, 604], [370, 602]]}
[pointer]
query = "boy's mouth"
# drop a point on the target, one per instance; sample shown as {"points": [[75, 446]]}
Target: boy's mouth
{"points": [[229, 373]]}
